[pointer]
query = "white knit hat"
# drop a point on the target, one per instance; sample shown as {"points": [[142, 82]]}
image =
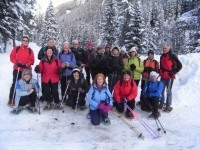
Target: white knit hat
{"points": [[123, 48], [153, 73], [133, 49]]}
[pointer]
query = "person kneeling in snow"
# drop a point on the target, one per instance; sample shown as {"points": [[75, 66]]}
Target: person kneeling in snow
{"points": [[125, 90], [100, 100], [151, 93], [26, 89], [78, 88]]}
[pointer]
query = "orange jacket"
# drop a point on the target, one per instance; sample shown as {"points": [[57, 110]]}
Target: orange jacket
{"points": [[150, 63], [125, 90], [22, 56]]}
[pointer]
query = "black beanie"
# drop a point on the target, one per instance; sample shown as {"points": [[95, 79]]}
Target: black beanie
{"points": [[150, 51], [126, 72]]}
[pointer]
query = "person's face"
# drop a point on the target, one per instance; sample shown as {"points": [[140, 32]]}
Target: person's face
{"points": [[126, 77], [27, 77], [107, 49], [153, 78], [100, 80], [25, 41], [76, 75], [50, 43], [75, 45], [49, 52], [89, 47], [165, 49], [115, 51], [100, 51], [122, 52], [133, 53], [150, 56], [66, 48]]}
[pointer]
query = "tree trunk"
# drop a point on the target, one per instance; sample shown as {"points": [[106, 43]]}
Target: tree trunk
{"points": [[5, 42], [14, 39]]}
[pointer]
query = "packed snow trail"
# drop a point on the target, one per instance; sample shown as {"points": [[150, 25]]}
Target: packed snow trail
{"points": [[32, 131]]}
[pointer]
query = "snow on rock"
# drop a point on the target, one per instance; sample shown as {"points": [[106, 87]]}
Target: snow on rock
{"points": [[33, 131]]}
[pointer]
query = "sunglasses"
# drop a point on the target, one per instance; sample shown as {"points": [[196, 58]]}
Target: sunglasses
{"points": [[25, 40]]}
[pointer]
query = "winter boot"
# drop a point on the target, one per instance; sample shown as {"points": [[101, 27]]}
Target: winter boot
{"points": [[155, 115], [10, 104], [17, 110], [168, 109], [49, 106], [129, 115], [58, 106], [138, 103], [32, 109], [105, 121]]}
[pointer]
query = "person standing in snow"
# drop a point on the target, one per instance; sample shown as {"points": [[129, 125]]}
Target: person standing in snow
{"points": [[50, 67], [98, 62], [150, 64], [135, 65], [77, 84], [80, 55], [68, 61], [26, 89], [151, 94], [125, 89], [114, 65], [89, 52], [107, 50], [100, 100], [169, 66], [22, 57], [124, 54]]}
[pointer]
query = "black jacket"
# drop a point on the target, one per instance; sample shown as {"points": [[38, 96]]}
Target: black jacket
{"points": [[80, 55], [114, 63]]}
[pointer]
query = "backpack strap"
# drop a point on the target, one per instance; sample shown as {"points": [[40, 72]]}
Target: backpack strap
{"points": [[121, 80], [93, 93], [29, 50]]}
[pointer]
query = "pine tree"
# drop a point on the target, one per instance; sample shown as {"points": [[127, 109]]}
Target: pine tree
{"points": [[49, 27]]}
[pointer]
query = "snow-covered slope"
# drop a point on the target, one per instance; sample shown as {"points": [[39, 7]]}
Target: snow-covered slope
{"points": [[33, 131]]}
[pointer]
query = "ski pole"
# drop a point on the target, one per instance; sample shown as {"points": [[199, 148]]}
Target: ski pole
{"points": [[111, 81], [38, 96], [77, 102], [61, 105], [142, 122], [131, 127], [15, 87]]}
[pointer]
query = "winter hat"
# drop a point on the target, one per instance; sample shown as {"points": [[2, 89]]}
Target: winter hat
{"points": [[126, 72], [107, 46], [75, 70], [153, 73], [115, 47], [26, 72], [65, 43], [123, 48], [133, 49], [150, 51], [89, 44]]}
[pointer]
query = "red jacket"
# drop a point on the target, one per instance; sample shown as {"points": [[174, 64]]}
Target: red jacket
{"points": [[125, 90], [49, 70], [22, 56], [169, 62]]}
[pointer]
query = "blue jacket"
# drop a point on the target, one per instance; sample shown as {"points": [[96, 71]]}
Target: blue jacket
{"points": [[67, 58], [153, 90], [22, 89], [95, 96]]}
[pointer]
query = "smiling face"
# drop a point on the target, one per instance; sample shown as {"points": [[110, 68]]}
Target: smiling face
{"points": [[66, 48], [27, 77], [133, 53], [165, 49], [49, 52], [126, 77], [75, 45], [115, 51], [76, 75], [50, 43], [25, 41], [100, 80]]}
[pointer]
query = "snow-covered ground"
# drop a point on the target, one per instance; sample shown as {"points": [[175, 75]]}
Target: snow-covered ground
{"points": [[32, 131]]}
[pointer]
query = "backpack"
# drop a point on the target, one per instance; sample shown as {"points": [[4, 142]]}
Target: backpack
{"points": [[29, 50]]}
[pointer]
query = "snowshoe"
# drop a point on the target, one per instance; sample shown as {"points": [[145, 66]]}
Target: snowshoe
{"points": [[168, 109], [32, 109], [129, 115], [138, 103], [105, 121], [17, 111], [82, 107], [49, 106], [58, 106], [154, 115]]}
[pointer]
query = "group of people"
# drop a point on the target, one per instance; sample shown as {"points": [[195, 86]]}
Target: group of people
{"points": [[123, 70]]}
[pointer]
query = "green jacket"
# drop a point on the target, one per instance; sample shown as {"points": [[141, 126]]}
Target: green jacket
{"points": [[139, 67]]}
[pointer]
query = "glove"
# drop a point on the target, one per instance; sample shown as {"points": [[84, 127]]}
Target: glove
{"points": [[107, 108], [101, 106], [37, 69], [80, 90], [123, 101], [171, 73], [21, 65], [146, 69], [69, 81], [132, 66], [60, 71], [115, 67], [65, 64]]}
